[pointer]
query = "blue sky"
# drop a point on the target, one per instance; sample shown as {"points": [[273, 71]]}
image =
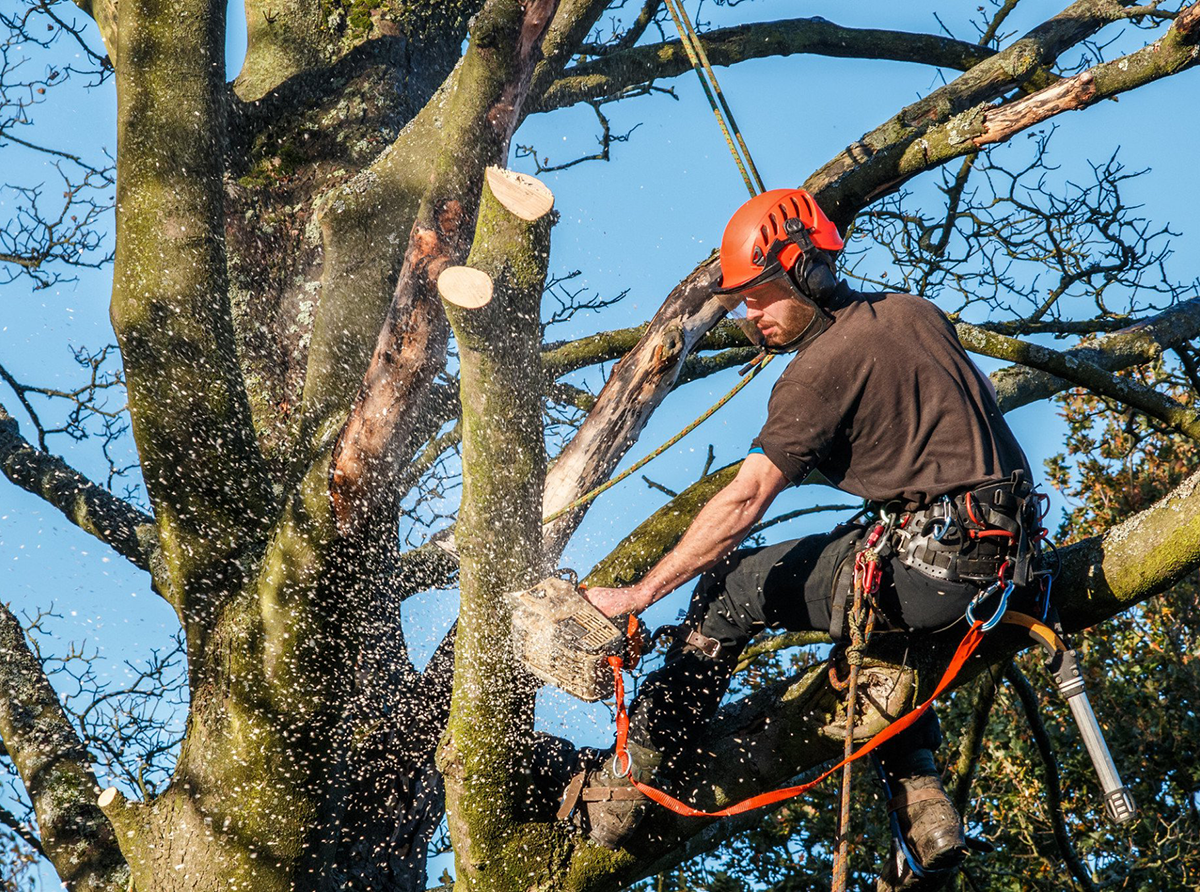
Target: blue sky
{"points": [[640, 223]]}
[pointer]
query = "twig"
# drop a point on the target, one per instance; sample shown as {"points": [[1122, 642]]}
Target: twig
{"points": [[22, 830], [654, 485]]}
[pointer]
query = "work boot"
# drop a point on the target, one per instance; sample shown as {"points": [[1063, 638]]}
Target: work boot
{"points": [[932, 830], [606, 805]]}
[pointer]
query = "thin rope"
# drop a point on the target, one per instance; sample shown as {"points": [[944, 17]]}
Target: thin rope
{"points": [[712, 76], [758, 366], [685, 39]]}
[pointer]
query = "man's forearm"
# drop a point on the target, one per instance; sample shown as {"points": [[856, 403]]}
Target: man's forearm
{"points": [[717, 530]]}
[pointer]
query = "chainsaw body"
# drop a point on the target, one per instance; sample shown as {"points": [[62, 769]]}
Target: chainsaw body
{"points": [[563, 639]]}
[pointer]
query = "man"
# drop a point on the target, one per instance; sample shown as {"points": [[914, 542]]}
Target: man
{"points": [[882, 400]]}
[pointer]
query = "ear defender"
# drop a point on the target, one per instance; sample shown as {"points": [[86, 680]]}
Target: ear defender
{"points": [[817, 278], [814, 272]]}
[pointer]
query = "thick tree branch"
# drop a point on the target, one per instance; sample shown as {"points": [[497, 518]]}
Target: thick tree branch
{"points": [[410, 351], [55, 768], [608, 76], [898, 149], [359, 223], [559, 359], [170, 307], [633, 391], [963, 132], [498, 535], [1142, 342], [90, 507], [659, 533], [1175, 51], [1079, 371]]}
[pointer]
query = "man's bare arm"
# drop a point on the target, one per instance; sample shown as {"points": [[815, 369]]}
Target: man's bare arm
{"points": [[717, 530]]}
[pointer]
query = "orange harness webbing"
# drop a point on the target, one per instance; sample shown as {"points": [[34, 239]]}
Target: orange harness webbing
{"points": [[965, 649]]}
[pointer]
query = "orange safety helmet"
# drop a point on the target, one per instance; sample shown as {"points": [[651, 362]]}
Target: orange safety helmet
{"points": [[758, 226]]}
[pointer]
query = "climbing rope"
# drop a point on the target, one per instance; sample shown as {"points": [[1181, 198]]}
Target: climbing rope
{"points": [[757, 365], [729, 129], [867, 573], [724, 115]]}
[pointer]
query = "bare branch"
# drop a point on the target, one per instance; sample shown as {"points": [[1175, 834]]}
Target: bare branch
{"points": [[941, 125], [90, 507], [613, 74], [55, 768], [1142, 342], [21, 829], [1085, 374]]}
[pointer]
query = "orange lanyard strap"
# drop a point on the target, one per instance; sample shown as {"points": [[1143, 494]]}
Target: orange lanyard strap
{"points": [[623, 763]]}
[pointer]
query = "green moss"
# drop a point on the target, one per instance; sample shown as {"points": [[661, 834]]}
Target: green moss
{"points": [[642, 548]]}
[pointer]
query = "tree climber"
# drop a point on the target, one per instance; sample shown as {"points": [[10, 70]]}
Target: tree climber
{"points": [[882, 400]]}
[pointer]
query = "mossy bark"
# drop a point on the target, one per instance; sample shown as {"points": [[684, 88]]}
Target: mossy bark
{"points": [[303, 743], [170, 309], [410, 349], [499, 542], [53, 765]]}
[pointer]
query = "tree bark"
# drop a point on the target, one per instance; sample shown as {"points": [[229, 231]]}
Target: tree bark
{"points": [[636, 387], [170, 310], [488, 98], [90, 507], [607, 76], [54, 767], [498, 536]]}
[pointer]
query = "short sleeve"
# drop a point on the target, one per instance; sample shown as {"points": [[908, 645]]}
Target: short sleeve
{"points": [[800, 429]]}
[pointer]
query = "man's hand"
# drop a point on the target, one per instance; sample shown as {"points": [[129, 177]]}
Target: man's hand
{"points": [[615, 601]]}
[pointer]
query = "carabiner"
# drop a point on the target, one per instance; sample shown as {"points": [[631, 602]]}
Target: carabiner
{"points": [[938, 534], [995, 618], [616, 764]]}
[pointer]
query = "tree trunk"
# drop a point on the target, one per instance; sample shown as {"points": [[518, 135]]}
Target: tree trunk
{"points": [[499, 541]]}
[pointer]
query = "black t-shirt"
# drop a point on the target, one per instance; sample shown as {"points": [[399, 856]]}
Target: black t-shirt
{"points": [[887, 406]]}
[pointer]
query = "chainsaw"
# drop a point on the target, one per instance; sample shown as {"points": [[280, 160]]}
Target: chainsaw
{"points": [[565, 640]]}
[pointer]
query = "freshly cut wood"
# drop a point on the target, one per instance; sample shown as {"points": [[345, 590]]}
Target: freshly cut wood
{"points": [[465, 287], [107, 797], [525, 196]]}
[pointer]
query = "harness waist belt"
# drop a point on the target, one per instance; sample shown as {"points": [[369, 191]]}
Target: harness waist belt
{"points": [[970, 536]]}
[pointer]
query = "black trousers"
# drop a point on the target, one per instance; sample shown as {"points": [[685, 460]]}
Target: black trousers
{"points": [[785, 586]]}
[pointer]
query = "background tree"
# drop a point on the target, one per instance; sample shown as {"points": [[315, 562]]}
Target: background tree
{"points": [[295, 386]]}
